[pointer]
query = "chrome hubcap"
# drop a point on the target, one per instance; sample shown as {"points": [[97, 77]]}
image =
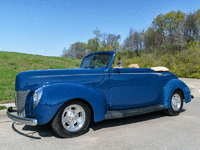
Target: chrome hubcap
{"points": [[73, 117], [176, 102]]}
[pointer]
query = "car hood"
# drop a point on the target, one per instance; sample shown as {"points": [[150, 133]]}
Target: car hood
{"points": [[29, 80]]}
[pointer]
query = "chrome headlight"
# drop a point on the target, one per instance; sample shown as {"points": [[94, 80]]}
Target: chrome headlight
{"points": [[37, 96]]}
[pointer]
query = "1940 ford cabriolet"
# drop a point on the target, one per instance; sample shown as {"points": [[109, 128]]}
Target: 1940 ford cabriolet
{"points": [[70, 98]]}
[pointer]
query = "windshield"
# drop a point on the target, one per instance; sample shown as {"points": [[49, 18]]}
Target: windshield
{"points": [[96, 61]]}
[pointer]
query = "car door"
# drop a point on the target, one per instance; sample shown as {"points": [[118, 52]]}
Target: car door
{"points": [[133, 87]]}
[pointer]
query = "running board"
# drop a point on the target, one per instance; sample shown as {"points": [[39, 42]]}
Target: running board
{"points": [[112, 114]]}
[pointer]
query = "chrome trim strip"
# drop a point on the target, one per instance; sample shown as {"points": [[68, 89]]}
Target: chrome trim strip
{"points": [[22, 120], [66, 75], [89, 74], [135, 73]]}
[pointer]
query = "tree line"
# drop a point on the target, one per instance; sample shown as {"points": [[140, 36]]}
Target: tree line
{"points": [[101, 42], [168, 33]]}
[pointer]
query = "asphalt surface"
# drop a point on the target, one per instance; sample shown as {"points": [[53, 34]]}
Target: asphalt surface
{"points": [[154, 131]]}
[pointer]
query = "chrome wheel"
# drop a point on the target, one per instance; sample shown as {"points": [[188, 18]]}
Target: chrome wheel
{"points": [[176, 102], [73, 117]]}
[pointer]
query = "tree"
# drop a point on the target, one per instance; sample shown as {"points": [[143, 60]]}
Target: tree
{"points": [[134, 42], [192, 26], [103, 42], [93, 45], [174, 25], [160, 23], [169, 29], [106, 48], [128, 43], [197, 23], [150, 39], [76, 50], [112, 40]]}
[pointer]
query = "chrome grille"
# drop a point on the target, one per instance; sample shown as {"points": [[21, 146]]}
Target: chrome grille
{"points": [[20, 102]]}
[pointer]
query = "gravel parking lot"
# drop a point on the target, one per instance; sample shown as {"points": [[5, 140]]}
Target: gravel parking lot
{"points": [[149, 131]]}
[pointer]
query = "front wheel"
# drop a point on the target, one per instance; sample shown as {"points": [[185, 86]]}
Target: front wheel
{"points": [[176, 104], [72, 120]]}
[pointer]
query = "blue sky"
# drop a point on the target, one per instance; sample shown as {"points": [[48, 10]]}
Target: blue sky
{"points": [[45, 27]]}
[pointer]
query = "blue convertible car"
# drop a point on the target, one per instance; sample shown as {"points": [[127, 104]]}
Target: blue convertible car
{"points": [[70, 98]]}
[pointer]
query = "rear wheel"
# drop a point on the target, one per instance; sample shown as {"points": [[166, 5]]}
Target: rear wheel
{"points": [[72, 120], [176, 104]]}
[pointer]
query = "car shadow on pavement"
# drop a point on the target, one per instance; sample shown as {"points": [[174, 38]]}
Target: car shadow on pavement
{"points": [[128, 120], [41, 130], [5, 121]]}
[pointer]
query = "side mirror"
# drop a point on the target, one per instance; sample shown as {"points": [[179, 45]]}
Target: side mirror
{"points": [[119, 64]]}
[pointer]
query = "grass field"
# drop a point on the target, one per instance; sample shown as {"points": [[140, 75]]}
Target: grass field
{"points": [[12, 63]]}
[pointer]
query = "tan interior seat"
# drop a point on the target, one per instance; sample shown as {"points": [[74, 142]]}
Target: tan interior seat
{"points": [[133, 66]]}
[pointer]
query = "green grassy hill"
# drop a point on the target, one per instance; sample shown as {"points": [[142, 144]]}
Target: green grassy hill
{"points": [[12, 63]]}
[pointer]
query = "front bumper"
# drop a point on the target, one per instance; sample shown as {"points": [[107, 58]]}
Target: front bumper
{"points": [[22, 120]]}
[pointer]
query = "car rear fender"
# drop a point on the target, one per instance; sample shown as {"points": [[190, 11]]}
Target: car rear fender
{"points": [[55, 95], [170, 87]]}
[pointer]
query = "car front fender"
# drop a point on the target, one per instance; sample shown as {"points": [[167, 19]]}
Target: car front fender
{"points": [[170, 87], [55, 95]]}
